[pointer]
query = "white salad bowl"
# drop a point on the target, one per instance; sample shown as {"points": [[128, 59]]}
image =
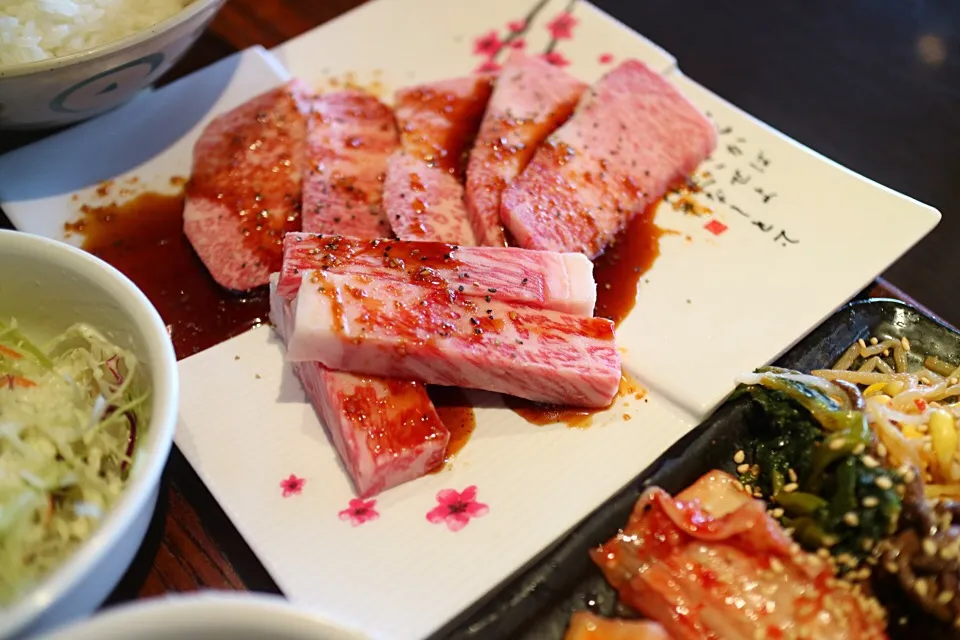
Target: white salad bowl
{"points": [[47, 286], [209, 615]]}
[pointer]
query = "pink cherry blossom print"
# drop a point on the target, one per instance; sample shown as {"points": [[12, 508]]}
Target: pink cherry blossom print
{"points": [[488, 66], [606, 58], [555, 58], [360, 511], [457, 508], [292, 486], [517, 26], [488, 44], [519, 43], [561, 27]]}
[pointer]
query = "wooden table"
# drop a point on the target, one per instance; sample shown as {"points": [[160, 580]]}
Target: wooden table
{"points": [[191, 544]]}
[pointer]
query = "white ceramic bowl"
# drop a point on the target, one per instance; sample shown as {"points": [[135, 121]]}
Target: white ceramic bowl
{"points": [[47, 286], [71, 88], [211, 616]]}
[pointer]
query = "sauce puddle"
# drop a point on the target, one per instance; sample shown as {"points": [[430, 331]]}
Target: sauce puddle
{"points": [[457, 415], [573, 417], [143, 238], [619, 269]]}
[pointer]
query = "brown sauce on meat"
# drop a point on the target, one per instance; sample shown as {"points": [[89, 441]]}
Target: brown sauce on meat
{"points": [[144, 239], [618, 271], [574, 417], [457, 415], [444, 146]]}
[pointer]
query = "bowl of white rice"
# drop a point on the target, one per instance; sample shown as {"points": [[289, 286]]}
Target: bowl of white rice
{"points": [[63, 61]]}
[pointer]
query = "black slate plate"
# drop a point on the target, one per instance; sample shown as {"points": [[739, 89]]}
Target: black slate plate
{"points": [[537, 602]]}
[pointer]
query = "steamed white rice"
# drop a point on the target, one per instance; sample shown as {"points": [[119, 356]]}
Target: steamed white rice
{"points": [[39, 29]]}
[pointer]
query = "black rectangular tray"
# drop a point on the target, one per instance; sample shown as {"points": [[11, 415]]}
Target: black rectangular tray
{"points": [[537, 602]]}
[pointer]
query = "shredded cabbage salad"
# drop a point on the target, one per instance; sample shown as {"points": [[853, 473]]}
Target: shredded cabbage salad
{"points": [[70, 417]]}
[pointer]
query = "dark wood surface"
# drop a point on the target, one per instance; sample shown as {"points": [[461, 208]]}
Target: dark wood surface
{"points": [[873, 84]]}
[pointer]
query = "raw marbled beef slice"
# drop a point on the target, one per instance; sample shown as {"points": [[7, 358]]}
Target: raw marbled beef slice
{"points": [[350, 136], [558, 281], [530, 100], [423, 194], [632, 136], [245, 186], [386, 431], [376, 326]]}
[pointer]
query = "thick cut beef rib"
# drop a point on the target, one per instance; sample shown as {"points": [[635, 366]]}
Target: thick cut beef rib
{"points": [[530, 100], [544, 279], [632, 136], [245, 186], [350, 136], [386, 431], [423, 192], [375, 326]]}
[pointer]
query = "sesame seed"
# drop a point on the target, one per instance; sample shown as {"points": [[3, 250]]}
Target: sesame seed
{"points": [[829, 541], [891, 567], [870, 502], [748, 488], [870, 462], [792, 474], [851, 519], [757, 493], [905, 343], [790, 488], [881, 450], [866, 544], [886, 352], [948, 552], [909, 476], [739, 457], [921, 587], [860, 448], [837, 443], [953, 381], [929, 546], [874, 341], [777, 513], [924, 380], [863, 345], [945, 596], [743, 468], [883, 482]]}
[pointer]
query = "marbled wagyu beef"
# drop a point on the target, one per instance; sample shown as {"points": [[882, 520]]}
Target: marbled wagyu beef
{"points": [[386, 431], [383, 327], [244, 192], [632, 137], [530, 100], [350, 136], [423, 192], [543, 279]]}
